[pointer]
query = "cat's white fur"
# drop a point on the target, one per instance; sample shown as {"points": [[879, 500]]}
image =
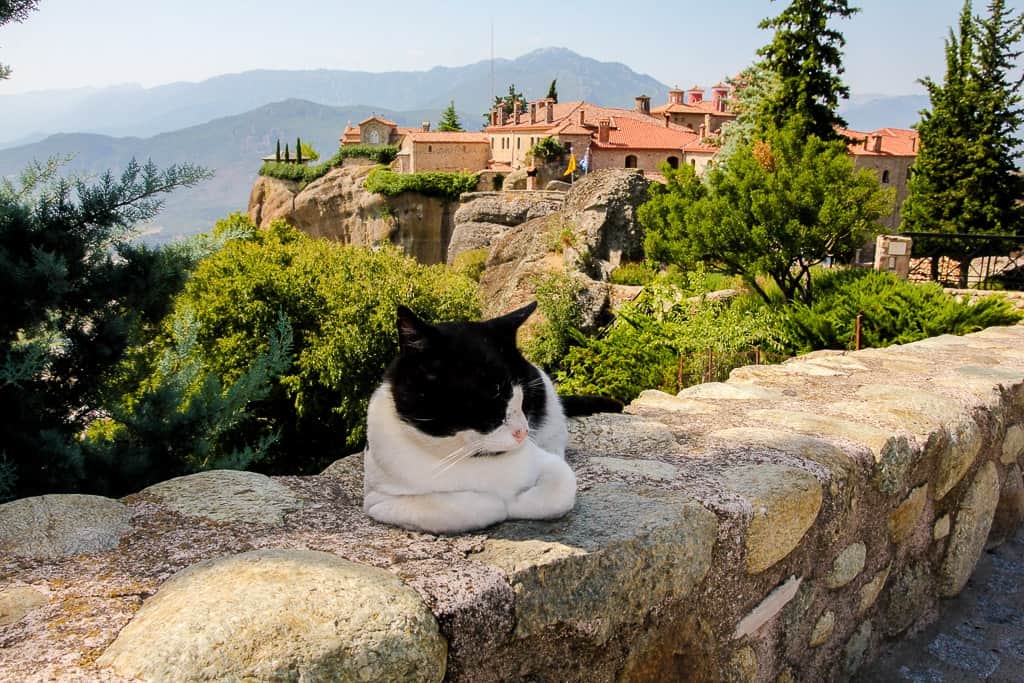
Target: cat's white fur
{"points": [[434, 484]]}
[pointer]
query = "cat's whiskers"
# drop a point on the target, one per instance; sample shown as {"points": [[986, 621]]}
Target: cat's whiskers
{"points": [[468, 454], [458, 454]]}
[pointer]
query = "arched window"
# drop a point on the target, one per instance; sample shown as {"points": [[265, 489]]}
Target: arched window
{"points": [[430, 148], [631, 161], [374, 137], [673, 162], [693, 163], [885, 177]]}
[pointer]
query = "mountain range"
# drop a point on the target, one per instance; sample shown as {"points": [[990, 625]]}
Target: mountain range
{"points": [[228, 122]]}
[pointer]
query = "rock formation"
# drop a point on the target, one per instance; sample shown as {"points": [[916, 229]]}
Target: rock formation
{"points": [[337, 207]]}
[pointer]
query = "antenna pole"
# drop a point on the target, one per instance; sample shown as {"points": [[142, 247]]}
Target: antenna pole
{"points": [[492, 61]]}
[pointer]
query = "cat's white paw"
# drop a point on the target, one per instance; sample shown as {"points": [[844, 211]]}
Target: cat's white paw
{"points": [[553, 495]]}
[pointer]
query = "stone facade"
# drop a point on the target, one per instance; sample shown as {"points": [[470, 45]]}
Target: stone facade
{"points": [[441, 151], [782, 526]]}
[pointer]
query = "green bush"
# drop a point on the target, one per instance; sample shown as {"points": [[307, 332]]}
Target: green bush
{"points": [[471, 263], [340, 302], [381, 154], [547, 148], [558, 298], [892, 311], [636, 273], [431, 184]]}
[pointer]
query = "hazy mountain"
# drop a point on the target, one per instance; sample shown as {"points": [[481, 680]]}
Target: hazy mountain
{"points": [[870, 112], [137, 111], [232, 146]]}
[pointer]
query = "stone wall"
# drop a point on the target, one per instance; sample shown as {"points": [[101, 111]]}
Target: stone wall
{"points": [[781, 526]]}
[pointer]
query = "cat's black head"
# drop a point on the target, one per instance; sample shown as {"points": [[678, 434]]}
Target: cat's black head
{"points": [[457, 376]]}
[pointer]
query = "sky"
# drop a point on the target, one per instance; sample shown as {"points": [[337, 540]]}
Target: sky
{"points": [[80, 43]]}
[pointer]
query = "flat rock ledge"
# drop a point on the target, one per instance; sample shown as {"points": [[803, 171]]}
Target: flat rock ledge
{"points": [[781, 526]]}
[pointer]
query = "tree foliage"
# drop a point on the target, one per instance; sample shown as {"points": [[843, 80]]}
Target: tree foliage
{"points": [[449, 119], [806, 56], [77, 292], [779, 207], [442, 184], [553, 90], [965, 179], [340, 301], [14, 11]]}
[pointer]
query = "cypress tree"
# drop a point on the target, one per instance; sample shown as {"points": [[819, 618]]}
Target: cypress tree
{"points": [[298, 150], [287, 155], [449, 119], [277, 152], [806, 55], [553, 91]]}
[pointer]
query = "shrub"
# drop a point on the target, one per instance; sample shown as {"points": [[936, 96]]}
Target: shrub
{"points": [[636, 273], [471, 263], [432, 184], [892, 311], [381, 154], [558, 298], [547, 148], [340, 301]]}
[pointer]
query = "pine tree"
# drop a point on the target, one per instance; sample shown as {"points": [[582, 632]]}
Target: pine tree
{"points": [[449, 119], [553, 91], [963, 180], [806, 55]]}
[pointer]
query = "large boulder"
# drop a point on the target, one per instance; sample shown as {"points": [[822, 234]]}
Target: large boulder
{"points": [[59, 525], [483, 217], [336, 206]]}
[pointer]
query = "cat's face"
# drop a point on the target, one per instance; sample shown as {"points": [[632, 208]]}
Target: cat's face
{"points": [[466, 381]]}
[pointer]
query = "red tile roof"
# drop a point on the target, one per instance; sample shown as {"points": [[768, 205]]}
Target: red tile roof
{"points": [[380, 119], [631, 133], [702, 107], [896, 142]]}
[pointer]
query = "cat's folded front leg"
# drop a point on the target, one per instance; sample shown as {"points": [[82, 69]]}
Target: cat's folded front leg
{"points": [[552, 496], [439, 513]]}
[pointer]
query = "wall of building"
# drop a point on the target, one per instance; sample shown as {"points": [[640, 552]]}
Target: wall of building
{"points": [[647, 160], [366, 133], [899, 174], [448, 156]]}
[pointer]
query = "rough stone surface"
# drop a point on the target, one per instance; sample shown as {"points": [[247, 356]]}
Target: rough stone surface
{"points": [[1013, 444], [1010, 510], [17, 601], [823, 629], [856, 649], [941, 528], [847, 565], [227, 496], [784, 503], [906, 516], [281, 615], [970, 529], [619, 549], [768, 608], [618, 435], [964, 446], [61, 524], [337, 207], [910, 589], [483, 217], [870, 591], [730, 392], [742, 666]]}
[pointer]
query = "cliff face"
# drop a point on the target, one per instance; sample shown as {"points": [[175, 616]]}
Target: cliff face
{"points": [[337, 207]]}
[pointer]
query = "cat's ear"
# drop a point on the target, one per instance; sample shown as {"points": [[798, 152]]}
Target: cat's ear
{"points": [[413, 333], [516, 318]]}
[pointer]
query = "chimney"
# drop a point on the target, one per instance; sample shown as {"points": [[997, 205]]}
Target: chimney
{"points": [[583, 115], [603, 129], [533, 112], [667, 117], [913, 144], [643, 104], [501, 116], [426, 126], [549, 110], [707, 124], [876, 143], [675, 96], [516, 109]]}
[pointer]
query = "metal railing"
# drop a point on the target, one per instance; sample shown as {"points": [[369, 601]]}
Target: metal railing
{"points": [[968, 261]]}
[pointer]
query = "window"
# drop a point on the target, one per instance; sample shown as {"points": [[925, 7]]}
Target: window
{"points": [[631, 161], [374, 137], [885, 177], [693, 163], [673, 162], [430, 148], [519, 143]]}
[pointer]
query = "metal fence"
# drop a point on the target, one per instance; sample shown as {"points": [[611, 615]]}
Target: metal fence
{"points": [[965, 260]]}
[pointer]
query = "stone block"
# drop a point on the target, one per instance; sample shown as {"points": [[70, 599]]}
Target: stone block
{"points": [[970, 531], [869, 591], [730, 392], [281, 615], [784, 503], [17, 601], [742, 667], [1010, 510], [62, 524], [768, 608], [941, 528], [965, 441], [620, 435], [659, 400], [227, 496], [619, 553], [847, 565], [911, 592], [903, 520], [856, 649], [823, 629], [1013, 445]]}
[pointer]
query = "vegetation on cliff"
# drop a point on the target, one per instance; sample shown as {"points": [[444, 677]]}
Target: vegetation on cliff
{"points": [[381, 154], [441, 184]]}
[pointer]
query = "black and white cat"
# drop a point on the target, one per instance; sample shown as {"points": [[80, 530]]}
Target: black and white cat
{"points": [[464, 432]]}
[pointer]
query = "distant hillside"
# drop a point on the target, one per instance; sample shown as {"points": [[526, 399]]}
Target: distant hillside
{"points": [[132, 110], [231, 146], [870, 112]]}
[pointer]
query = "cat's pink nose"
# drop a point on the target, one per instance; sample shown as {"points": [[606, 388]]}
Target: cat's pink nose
{"points": [[520, 434]]}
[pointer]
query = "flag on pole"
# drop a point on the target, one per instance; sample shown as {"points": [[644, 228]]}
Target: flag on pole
{"points": [[572, 165]]}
